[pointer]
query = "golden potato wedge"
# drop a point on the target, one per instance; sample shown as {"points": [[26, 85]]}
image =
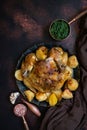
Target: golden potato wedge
{"points": [[18, 75], [29, 94], [41, 53], [58, 94], [68, 73], [41, 96], [67, 94], [72, 61], [30, 58], [53, 99], [72, 84]]}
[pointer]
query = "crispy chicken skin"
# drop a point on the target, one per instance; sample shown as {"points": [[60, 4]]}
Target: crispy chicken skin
{"points": [[45, 76]]}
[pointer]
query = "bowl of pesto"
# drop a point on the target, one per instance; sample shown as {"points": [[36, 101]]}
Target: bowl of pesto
{"points": [[59, 29]]}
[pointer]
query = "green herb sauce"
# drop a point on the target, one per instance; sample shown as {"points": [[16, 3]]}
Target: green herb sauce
{"points": [[59, 29]]}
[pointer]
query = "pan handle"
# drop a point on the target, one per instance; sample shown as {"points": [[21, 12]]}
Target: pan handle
{"points": [[77, 17]]}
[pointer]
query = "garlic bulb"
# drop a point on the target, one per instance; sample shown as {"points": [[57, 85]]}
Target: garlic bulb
{"points": [[13, 97]]}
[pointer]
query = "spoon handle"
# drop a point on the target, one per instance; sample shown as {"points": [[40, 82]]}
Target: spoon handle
{"points": [[25, 123], [78, 16]]}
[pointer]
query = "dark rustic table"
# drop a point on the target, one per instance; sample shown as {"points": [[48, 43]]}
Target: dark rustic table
{"points": [[24, 23]]}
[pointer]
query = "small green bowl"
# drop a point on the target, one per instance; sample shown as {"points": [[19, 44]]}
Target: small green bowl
{"points": [[59, 29]]}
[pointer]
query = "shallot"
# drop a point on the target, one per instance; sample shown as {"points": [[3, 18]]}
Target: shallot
{"points": [[32, 107]]}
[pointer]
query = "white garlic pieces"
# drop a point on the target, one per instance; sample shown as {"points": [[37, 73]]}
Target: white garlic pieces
{"points": [[13, 97]]}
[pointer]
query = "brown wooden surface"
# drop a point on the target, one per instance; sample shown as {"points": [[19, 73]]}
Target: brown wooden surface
{"points": [[24, 23]]}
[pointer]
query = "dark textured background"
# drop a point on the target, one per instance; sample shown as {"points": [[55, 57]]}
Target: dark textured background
{"points": [[24, 23]]}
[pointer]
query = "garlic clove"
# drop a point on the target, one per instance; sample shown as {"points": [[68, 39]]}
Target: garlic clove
{"points": [[13, 97]]}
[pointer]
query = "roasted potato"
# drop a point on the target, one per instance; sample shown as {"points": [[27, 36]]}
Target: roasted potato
{"points": [[67, 94], [30, 59], [72, 84], [58, 94], [41, 96], [29, 94], [53, 99], [41, 53], [18, 75], [68, 73], [72, 61]]}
